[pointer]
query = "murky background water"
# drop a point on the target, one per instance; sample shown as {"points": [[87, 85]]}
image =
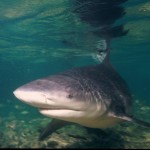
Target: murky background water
{"points": [[40, 38]]}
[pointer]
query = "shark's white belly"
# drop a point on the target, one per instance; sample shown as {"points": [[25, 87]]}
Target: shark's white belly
{"points": [[104, 122]]}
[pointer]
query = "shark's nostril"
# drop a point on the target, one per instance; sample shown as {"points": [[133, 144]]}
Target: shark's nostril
{"points": [[45, 98]]}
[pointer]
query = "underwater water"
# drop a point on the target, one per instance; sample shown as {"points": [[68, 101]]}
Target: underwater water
{"points": [[41, 38]]}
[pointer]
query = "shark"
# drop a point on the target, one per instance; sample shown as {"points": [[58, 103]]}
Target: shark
{"points": [[94, 96]]}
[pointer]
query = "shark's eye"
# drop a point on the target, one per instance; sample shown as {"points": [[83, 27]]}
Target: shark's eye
{"points": [[70, 96]]}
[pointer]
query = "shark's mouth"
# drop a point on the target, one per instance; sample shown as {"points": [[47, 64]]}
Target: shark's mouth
{"points": [[57, 108], [43, 106], [62, 113]]}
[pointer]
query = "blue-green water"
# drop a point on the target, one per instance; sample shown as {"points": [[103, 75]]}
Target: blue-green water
{"points": [[40, 38]]}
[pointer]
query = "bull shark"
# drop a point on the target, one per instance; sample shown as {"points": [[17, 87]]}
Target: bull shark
{"points": [[93, 96]]}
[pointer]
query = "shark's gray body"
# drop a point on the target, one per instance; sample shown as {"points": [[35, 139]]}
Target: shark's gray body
{"points": [[92, 96]]}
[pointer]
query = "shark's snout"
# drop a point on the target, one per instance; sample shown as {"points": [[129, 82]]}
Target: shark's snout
{"points": [[23, 94], [34, 98], [19, 93]]}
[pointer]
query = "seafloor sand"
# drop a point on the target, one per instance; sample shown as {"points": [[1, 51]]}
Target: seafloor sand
{"points": [[21, 130]]}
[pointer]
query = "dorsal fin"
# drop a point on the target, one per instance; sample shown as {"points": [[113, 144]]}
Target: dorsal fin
{"points": [[103, 48], [106, 61]]}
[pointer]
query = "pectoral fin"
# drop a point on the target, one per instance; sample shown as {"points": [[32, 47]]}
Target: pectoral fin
{"points": [[132, 119], [138, 121], [52, 127]]}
